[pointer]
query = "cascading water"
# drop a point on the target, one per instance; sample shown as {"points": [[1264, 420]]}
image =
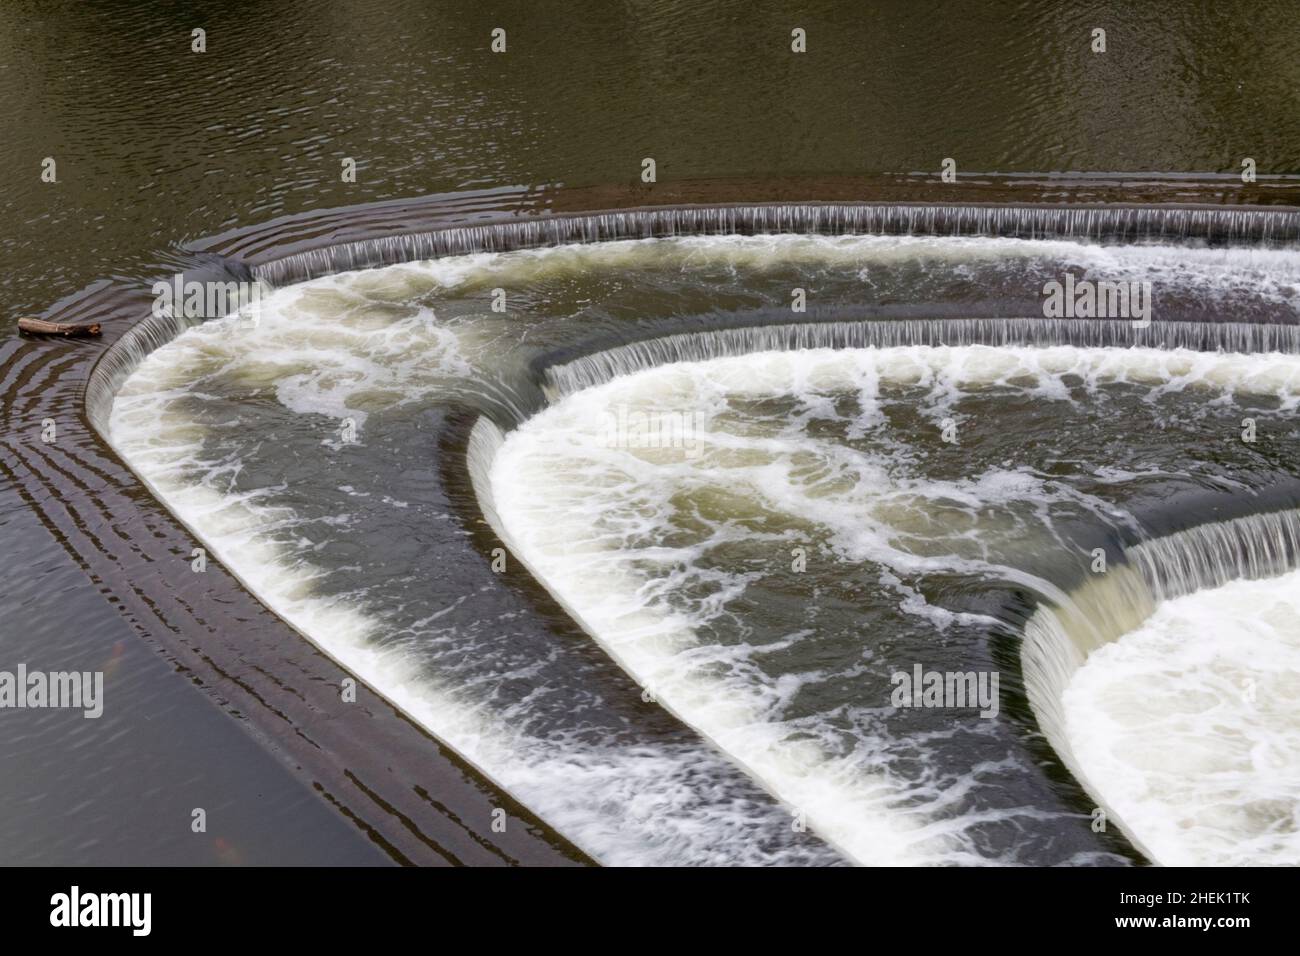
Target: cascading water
{"points": [[1181, 656], [674, 557], [600, 367], [1103, 223], [299, 448]]}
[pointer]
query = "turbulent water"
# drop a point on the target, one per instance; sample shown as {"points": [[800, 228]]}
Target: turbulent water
{"points": [[757, 542], [1190, 721], [674, 543]]}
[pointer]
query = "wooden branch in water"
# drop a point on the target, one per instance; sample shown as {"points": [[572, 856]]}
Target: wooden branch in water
{"points": [[41, 327]]}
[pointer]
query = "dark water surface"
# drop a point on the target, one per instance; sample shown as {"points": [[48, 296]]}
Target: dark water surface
{"points": [[156, 146]]}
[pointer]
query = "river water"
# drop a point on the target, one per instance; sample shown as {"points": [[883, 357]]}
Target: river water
{"points": [[157, 146]]}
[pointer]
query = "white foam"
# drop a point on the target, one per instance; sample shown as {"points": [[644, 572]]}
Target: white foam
{"points": [[591, 518], [624, 805], [1190, 726], [349, 345], [1233, 270]]}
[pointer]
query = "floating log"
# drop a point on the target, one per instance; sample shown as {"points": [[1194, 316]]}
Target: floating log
{"points": [[41, 327]]}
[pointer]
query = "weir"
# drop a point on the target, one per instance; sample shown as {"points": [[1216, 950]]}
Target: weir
{"points": [[1060, 635], [1057, 640], [1109, 224], [603, 366], [1112, 224]]}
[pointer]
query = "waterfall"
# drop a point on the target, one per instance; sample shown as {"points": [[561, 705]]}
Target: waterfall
{"points": [[1211, 555], [485, 440], [605, 365], [1118, 224], [1060, 635], [123, 357], [155, 328], [1112, 224]]}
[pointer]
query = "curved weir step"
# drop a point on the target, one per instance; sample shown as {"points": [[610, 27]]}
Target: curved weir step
{"points": [[368, 759]]}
